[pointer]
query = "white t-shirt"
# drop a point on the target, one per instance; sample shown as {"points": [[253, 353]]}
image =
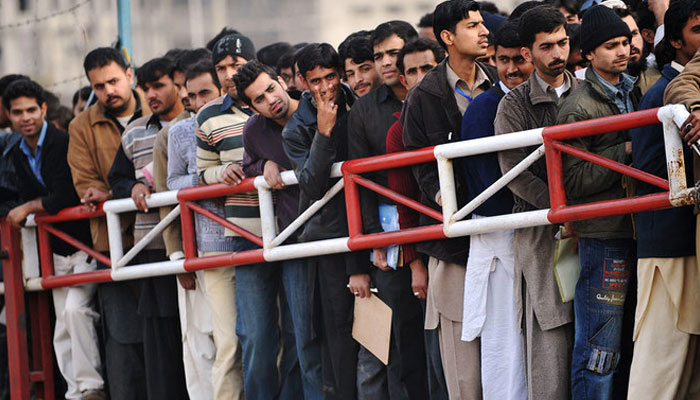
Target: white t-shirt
{"points": [[124, 120]]}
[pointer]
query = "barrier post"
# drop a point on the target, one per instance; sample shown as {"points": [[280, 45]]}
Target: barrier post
{"points": [[15, 313]]}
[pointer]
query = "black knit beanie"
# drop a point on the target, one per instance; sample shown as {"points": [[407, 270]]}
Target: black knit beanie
{"points": [[599, 25], [233, 45]]}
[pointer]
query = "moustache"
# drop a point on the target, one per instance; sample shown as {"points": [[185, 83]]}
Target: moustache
{"points": [[514, 75], [557, 61]]}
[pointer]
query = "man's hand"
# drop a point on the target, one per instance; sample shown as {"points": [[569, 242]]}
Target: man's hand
{"points": [[419, 278], [379, 259], [690, 130], [187, 281], [233, 174], [271, 174], [139, 193], [93, 197], [326, 114], [17, 215], [658, 8], [628, 148], [359, 285]]}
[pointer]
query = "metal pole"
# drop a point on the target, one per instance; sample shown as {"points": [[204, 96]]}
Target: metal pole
{"points": [[124, 22]]}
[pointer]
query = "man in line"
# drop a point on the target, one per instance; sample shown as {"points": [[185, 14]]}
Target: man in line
{"points": [[433, 115], [545, 321], [667, 324], [606, 247], [360, 72], [259, 86], [368, 123], [414, 61], [489, 299], [47, 186], [199, 348], [95, 137], [132, 176], [314, 138]]}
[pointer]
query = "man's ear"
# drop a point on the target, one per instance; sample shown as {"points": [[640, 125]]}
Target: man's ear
{"points": [[130, 76], [676, 44], [402, 78], [44, 109], [447, 37], [281, 81], [526, 53]]}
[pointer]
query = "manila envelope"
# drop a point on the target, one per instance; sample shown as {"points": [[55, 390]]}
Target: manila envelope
{"points": [[371, 326]]}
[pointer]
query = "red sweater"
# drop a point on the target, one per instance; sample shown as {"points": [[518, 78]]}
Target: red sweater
{"points": [[401, 181]]}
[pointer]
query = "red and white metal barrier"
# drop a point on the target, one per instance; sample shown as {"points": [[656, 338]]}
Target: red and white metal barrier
{"points": [[449, 223]]}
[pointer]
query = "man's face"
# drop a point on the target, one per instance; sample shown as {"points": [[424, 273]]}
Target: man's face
{"points": [[112, 86], [226, 69], [323, 83], [549, 52], [512, 67], [427, 32], [571, 18], [470, 38], [269, 97], [385, 54], [575, 61], [161, 95], [26, 116], [287, 75], [361, 77], [686, 48], [179, 81], [490, 57], [637, 42], [416, 65], [299, 82], [201, 90], [611, 57]]}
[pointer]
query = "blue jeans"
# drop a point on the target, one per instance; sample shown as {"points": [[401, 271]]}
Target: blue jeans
{"points": [[599, 303], [258, 288]]}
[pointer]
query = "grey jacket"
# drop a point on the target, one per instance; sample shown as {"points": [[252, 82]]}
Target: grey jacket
{"points": [[586, 182], [528, 107]]}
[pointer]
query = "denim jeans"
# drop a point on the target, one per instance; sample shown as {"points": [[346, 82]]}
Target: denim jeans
{"points": [[258, 330], [599, 303]]}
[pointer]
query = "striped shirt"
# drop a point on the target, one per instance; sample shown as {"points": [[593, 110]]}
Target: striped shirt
{"points": [[137, 142], [219, 132]]}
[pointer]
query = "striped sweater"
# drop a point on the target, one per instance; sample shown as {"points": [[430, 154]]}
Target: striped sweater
{"points": [[219, 132]]}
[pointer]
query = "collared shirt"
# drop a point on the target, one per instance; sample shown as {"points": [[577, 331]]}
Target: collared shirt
{"points": [[503, 87], [620, 93], [677, 66], [554, 93], [458, 84], [35, 160]]}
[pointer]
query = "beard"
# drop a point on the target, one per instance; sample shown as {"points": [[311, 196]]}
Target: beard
{"points": [[635, 68]]}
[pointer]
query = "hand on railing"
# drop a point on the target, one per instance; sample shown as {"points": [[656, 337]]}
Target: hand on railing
{"points": [[271, 174], [690, 130], [233, 174], [93, 197], [359, 285], [139, 193]]}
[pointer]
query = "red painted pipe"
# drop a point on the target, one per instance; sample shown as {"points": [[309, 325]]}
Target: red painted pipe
{"points": [[45, 251], [397, 197], [225, 260], [389, 161], [100, 275], [75, 243], [352, 205], [613, 165], [216, 190], [555, 175], [69, 214], [383, 239], [656, 201], [597, 126], [225, 223], [189, 235]]}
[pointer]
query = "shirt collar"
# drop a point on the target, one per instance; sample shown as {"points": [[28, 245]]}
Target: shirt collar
{"points": [[546, 86], [626, 83], [503, 87], [231, 102], [454, 80], [154, 120], [42, 136], [385, 93], [677, 66]]}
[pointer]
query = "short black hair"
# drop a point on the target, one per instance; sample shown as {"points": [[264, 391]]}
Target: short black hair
{"points": [[103, 56], [189, 57], [426, 21], [574, 33], [174, 53], [522, 8], [204, 66], [23, 88], [247, 74], [419, 45], [225, 31], [677, 16], [358, 49], [489, 7], [448, 14], [81, 94], [286, 61], [317, 55], [645, 18], [385, 30], [6, 80], [623, 12], [507, 36], [539, 19], [270, 54], [571, 6], [154, 69]]}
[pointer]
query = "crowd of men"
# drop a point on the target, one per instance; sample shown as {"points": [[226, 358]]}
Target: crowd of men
{"points": [[483, 316]]}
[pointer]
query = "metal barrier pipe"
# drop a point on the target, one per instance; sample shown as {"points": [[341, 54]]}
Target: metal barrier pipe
{"points": [[389, 161], [397, 197], [114, 230], [148, 238], [656, 201], [225, 223], [597, 126], [489, 144], [77, 244]]}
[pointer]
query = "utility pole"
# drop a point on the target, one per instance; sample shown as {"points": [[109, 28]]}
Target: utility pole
{"points": [[124, 18]]}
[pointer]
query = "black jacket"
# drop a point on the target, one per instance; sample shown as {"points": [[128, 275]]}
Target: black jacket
{"points": [[9, 187], [430, 117], [312, 156], [59, 192]]}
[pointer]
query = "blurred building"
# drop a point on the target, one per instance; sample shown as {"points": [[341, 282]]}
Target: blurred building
{"points": [[48, 39]]}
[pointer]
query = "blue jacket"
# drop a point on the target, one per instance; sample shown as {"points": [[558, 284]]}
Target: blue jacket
{"points": [[662, 233], [481, 171]]}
